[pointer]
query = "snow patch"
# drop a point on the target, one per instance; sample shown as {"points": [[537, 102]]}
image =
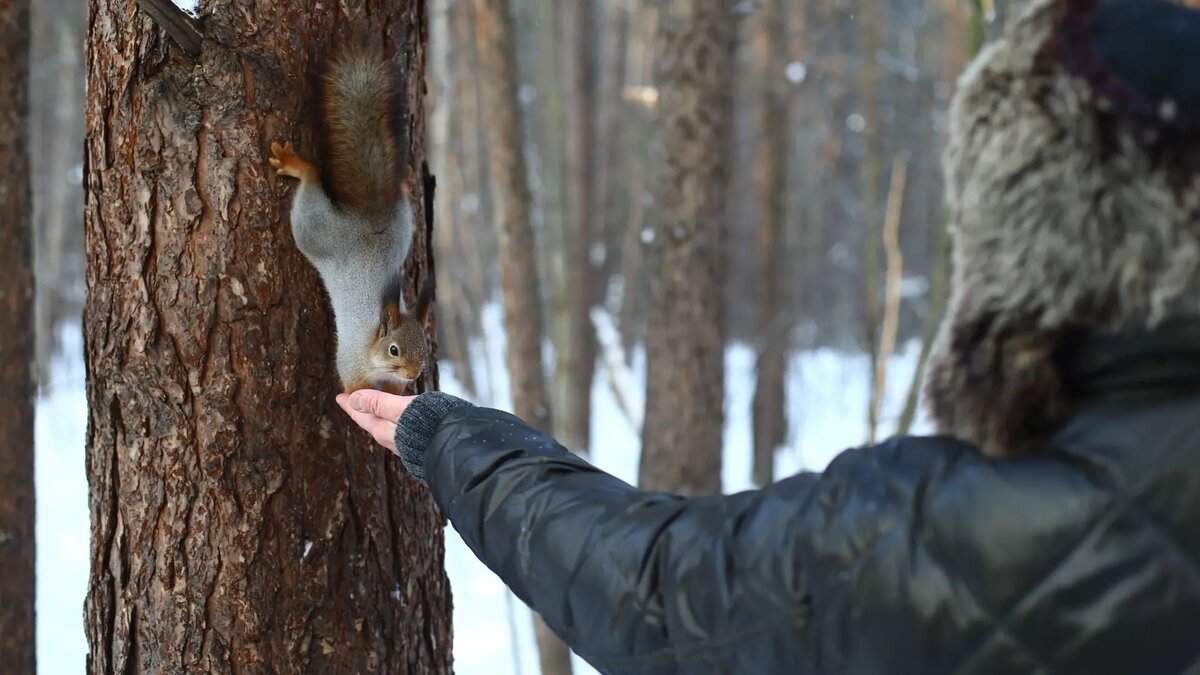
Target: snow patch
{"points": [[62, 526], [189, 6]]}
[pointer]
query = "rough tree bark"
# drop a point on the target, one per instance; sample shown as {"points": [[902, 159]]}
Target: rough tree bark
{"points": [[770, 424], [239, 522], [517, 251], [17, 359], [681, 441]]}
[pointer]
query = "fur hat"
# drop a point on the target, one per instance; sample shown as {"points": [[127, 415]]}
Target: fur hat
{"points": [[1073, 182]]}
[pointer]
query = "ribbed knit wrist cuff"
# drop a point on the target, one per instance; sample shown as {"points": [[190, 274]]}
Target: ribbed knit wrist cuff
{"points": [[417, 426]]}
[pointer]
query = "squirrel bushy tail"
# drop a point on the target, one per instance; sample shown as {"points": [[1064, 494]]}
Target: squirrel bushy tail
{"points": [[362, 139]]}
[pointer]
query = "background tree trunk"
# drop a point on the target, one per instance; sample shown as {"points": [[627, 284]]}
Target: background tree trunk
{"points": [[577, 352], [445, 156], [17, 359], [475, 240], [239, 522], [611, 155], [872, 226], [770, 424], [517, 250], [681, 441], [893, 272], [637, 178], [56, 147], [554, 194]]}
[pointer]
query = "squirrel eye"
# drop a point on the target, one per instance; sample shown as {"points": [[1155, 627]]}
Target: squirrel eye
{"points": [[394, 350]]}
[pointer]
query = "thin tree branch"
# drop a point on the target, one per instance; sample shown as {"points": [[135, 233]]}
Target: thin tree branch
{"points": [[895, 267], [183, 28], [613, 358]]}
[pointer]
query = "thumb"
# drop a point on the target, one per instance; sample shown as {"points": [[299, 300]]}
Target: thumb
{"points": [[364, 401], [379, 404]]}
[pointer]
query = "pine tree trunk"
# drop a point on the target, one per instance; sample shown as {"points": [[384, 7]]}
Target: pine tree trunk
{"points": [[519, 279], [57, 222], [681, 441], [872, 225], [770, 425], [554, 142], [17, 358], [517, 251], [611, 143], [475, 235], [240, 523], [631, 314], [445, 161], [579, 348]]}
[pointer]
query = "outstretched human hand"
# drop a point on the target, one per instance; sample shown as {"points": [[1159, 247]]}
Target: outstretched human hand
{"points": [[376, 412]]}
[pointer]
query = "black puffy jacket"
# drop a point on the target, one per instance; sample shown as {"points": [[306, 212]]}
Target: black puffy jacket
{"points": [[918, 555]]}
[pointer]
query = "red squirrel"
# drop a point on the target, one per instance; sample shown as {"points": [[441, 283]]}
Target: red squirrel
{"points": [[358, 234]]}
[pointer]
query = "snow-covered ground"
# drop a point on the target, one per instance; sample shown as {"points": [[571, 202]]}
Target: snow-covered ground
{"points": [[60, 479], [826, 402]]}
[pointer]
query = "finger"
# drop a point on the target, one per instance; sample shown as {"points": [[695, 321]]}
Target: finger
{"points": [[383, 431], [365, 420], [388, 406], [384, 434]]}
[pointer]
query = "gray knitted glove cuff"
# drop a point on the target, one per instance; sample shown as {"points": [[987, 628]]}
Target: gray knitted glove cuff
{"points": [[416, 427]]}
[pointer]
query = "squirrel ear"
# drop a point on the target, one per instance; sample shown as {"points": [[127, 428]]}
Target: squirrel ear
{"points": [[424, 302], [389, 318]]}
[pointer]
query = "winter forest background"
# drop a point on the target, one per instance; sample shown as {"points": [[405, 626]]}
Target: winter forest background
{"points": [[829, 250]]}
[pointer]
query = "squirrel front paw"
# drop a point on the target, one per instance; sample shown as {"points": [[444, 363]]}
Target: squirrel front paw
{"points": [[288, 163]]}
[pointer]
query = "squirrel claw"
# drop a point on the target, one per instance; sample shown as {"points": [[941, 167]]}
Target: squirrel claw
{"points": [[288, 163]]}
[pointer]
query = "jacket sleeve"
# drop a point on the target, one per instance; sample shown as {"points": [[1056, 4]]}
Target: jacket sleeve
{"points": [[640, 582]]}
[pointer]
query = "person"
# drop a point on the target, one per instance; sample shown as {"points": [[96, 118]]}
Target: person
{"points": [[1052, 525]]}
